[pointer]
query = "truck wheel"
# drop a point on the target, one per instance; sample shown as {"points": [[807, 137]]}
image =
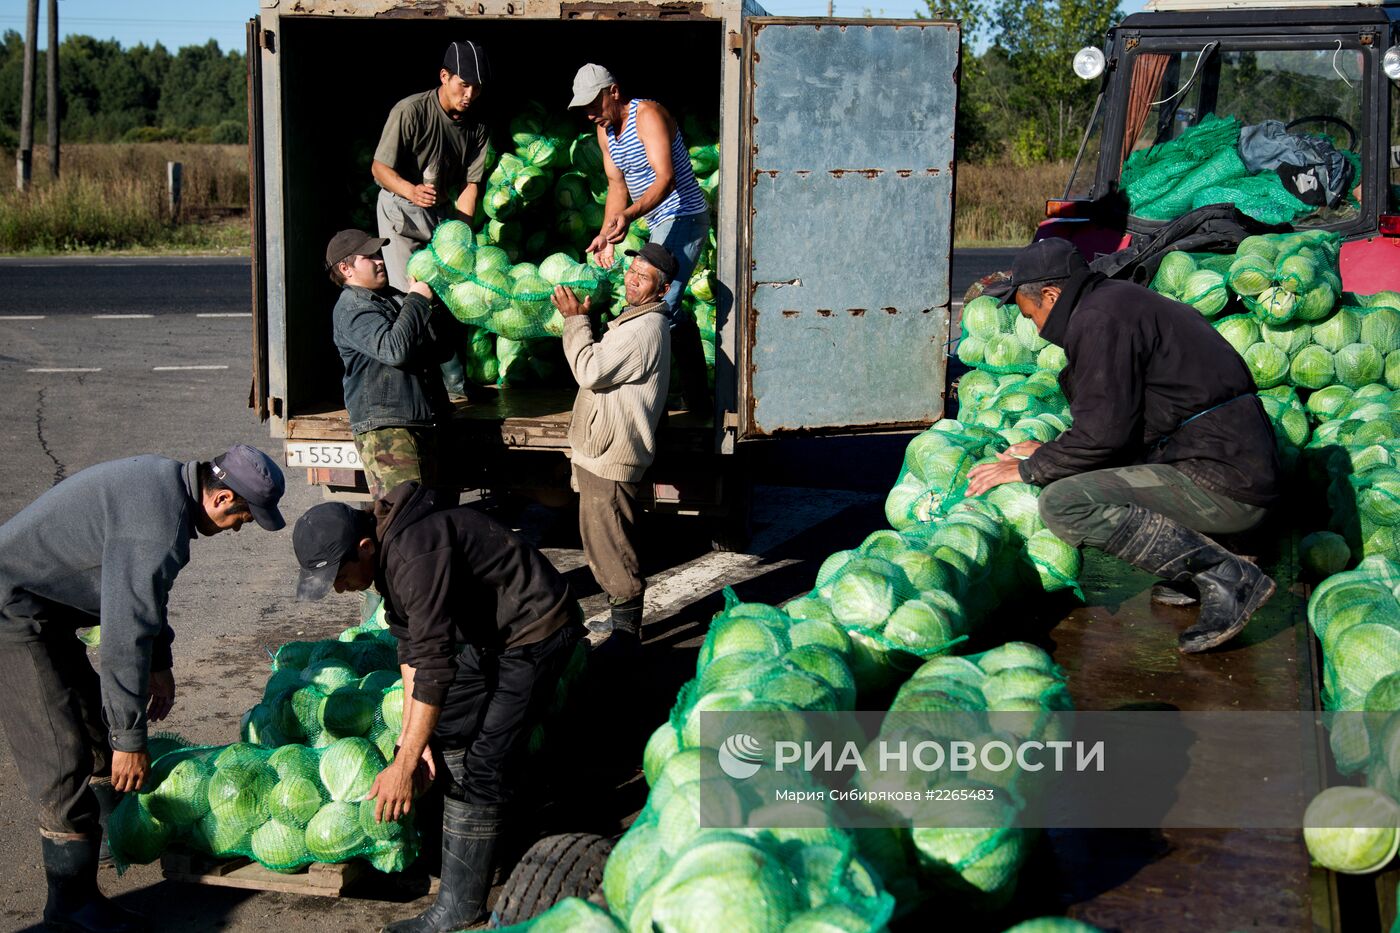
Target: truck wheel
{"points": [[556, 867]]}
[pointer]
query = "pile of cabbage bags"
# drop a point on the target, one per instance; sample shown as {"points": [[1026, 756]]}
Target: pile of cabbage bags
{"points": [[544, 202], [284, 807], [953, 698], [998, 339]]}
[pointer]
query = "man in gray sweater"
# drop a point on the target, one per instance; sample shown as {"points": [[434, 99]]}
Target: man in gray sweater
{"points": [[104, 547], [622, 381]]}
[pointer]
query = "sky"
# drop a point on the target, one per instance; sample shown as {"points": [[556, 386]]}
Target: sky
{"points": [[178, 23]]}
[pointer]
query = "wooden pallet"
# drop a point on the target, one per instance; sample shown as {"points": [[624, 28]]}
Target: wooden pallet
{"points": [[317, 878]]}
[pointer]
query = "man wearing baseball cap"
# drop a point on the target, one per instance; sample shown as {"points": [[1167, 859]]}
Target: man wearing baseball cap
{"points": [[390, 346], [1169, 442], [648, 165], [485, 626], [430, 164], [622, 382], [104, 547]]}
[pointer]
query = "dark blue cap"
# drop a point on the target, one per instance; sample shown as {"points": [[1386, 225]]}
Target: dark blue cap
{"points": [[257, 478]]}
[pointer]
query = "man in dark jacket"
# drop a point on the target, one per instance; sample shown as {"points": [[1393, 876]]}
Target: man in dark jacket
{"points": [[485, 626], [104, 547], [1169, 441], [390, 353]]}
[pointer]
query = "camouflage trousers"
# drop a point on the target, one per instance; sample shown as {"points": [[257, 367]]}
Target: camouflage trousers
{"points": [[1089, 507], [393, 456]]}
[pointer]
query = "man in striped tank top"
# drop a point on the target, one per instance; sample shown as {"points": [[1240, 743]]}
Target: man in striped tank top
{"points": [[649, 175]]}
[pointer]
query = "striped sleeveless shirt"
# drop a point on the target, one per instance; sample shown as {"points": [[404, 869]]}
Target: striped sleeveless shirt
{"points": [[630, 157]]}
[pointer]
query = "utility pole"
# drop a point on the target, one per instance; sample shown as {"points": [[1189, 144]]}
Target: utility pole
{"points": [[830, 7], [51, 67], [24, 158]]}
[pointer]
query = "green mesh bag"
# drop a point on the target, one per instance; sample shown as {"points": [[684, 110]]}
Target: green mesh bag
{"points": [[285, 808], [1356, 615], [995, 338]]}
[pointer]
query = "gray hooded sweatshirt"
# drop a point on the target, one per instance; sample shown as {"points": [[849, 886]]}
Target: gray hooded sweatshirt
{"points": [[106, 542]]}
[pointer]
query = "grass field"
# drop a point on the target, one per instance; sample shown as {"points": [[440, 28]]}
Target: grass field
{"points": [[113, 198], [999, 204]]}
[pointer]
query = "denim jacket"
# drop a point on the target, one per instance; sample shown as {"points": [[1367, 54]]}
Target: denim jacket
{"points": [[390, 354]]}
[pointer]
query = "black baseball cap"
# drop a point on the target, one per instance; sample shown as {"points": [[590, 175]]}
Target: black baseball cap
{"points": [[658, 256], [256, 477], [349, 243], [467, 60], [1042, 261], [322, 538]]}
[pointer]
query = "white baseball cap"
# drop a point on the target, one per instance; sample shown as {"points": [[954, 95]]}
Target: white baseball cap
{"points": [[590, 81]]}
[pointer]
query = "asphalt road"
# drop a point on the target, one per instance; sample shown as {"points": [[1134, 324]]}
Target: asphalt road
{"points": [[103, 358]]}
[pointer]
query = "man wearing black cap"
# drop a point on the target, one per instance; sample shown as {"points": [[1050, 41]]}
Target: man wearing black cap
{"points": [[103, 547], [431, 147], [485, 626], [1169, 441], [622, 382], [390, 345]]}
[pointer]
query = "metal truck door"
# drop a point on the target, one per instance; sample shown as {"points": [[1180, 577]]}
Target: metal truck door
{"points": [[847, 217], [258, 394]]}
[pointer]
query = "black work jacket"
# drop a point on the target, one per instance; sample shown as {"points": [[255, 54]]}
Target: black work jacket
{"points": [[453, 577], [1150, 381]]}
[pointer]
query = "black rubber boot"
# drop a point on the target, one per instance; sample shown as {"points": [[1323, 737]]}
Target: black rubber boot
{"points": [[624, 643], [107, 800], [1231, 588], [75, 904], [454, 376], [468, 843]]}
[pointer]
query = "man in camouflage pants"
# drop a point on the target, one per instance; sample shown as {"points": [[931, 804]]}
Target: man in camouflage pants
{"points": [[390, 351]]}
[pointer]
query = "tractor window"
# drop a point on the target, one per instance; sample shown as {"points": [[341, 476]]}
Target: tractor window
{"points": [[1393, 188], [1297, 108]]}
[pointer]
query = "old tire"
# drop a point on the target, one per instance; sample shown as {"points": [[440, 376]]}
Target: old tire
{"points": [[556, 867]]}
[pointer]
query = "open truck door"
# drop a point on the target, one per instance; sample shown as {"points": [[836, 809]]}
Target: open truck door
{"points": [[846, 224], [258, 395]]}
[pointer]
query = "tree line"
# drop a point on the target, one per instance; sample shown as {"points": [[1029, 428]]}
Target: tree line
{"points": [[140, 94], [1019, 98]]}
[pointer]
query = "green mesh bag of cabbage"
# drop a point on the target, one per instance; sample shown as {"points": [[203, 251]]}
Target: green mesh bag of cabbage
{"points": [[283, 807], [1013, 689], [481, 287], [1356, 617], [996, 338], [1190, 279], [327, 690], [668, 873]]}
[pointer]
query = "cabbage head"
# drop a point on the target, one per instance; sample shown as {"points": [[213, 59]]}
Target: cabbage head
{"points": [[1359, 364], [349, 767], [1275, 306], [1326, 403], [1297, 274], [1176, 268], [334, 833], [1240, 331], [1316, 303], [1262, 245], [986, 317], [864, 593], [1205, 291], [1290, 338], [1352, 829], [1312, 368], [1268, 364], [1380, 328], [1324, 553], [1336, 332], [279, 846], [1250, 275], [1007, 352]]}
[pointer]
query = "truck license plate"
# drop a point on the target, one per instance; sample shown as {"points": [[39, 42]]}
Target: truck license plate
{"points": [[325, 454]]}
